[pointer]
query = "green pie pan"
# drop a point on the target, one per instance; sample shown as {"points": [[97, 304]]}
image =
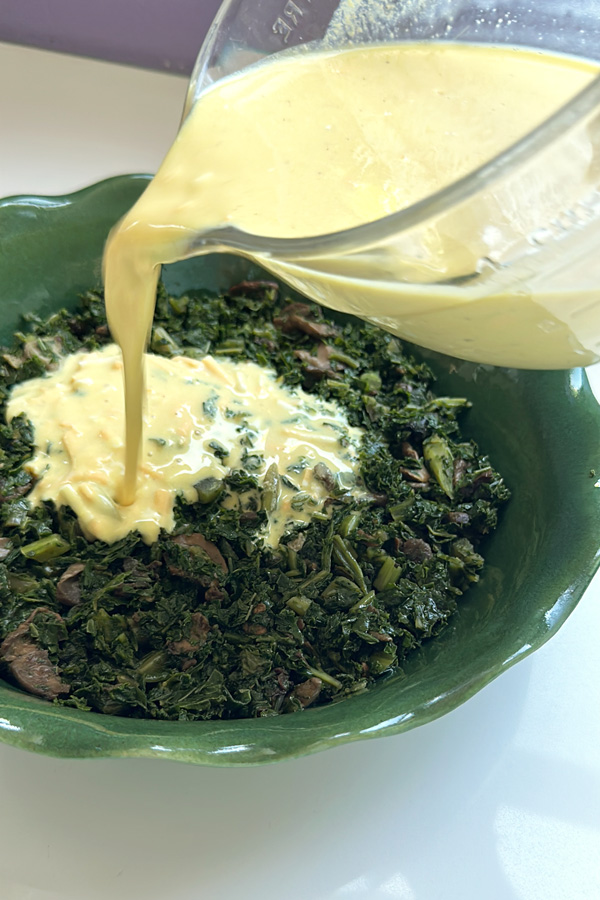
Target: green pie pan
{"points": [[542, 430]]}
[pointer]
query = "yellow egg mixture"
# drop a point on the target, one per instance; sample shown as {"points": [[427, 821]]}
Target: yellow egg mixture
{"points": [[302, 145], [203, 418]]}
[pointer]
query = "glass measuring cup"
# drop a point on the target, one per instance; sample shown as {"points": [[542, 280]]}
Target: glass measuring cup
{"points": [[525, 292]]}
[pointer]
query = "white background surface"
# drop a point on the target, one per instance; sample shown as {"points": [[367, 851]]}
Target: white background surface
{"points": [[500, 800]]}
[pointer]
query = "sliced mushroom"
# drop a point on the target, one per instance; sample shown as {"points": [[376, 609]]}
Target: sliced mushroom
{"points": [[297, 542], [5, 548], [68, 591], [295, 317], [458, 518], [250, 287], [417, 476], [214, 592], [317, 366], [417, 550], [199, 630], [408, 451], [308, 691], [29, 663], [324, 474], [210, 549]]}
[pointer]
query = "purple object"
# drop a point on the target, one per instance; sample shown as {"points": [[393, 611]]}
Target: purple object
{"points": [[154, 34]]}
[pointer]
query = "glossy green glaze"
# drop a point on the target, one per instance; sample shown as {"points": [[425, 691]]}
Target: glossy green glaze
{"points": [[542, 429]]}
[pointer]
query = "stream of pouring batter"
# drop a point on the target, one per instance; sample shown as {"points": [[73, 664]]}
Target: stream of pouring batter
{"points": [[318, 143]]}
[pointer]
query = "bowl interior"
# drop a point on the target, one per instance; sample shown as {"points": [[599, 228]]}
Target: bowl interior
{"points": [[542, 430]]}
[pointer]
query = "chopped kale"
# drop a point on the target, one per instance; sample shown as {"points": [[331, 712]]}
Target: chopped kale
{"points": [[210, 622]]}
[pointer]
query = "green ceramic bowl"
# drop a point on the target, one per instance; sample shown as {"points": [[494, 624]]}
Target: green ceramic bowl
{"points": [[541, 428]]}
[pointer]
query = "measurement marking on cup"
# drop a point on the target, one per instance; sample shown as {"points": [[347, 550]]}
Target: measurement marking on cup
{"points": [[288, 21]]}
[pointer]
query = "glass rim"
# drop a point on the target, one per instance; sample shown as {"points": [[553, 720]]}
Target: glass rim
{"points": [[361, 236]]}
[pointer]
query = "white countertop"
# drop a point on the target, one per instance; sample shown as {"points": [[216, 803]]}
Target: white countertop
{"points": [[500, 800]]}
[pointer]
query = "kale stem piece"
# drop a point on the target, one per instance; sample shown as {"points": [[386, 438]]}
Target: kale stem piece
{"points": [[399, 510], [387, 576], [346, 559], [382, 660], [230, 347], [162, 342], [326, 551], [153, 665], [328, 679], [313, 579], [370, 382], [270, 489], [438, 456], [208, 489], [292, 559], [299, 605], [344, 358], [46, 548], [349, 524], [363, 602]]}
